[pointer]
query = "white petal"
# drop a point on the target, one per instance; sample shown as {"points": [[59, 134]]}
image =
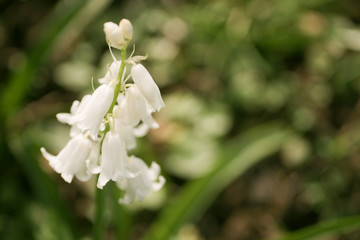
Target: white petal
{"points": [[146, 180], [92, 163], [109, 27], [136, 108], [67, 177], [140, 195], [104, 80], [74, 107], [154, 171], [126, 133], [103, 179], [83, 174], [67, 117], [74, 131], [48, 156], [141, 130], [113, 159], [156, 186], [79, 153], [126, 28], [92, 115], [147, 86], [122, 183], [128, 198], [71, 158], [64, 118]]}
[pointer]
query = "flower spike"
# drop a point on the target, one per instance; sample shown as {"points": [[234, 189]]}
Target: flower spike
{"points": [[105, 125]]}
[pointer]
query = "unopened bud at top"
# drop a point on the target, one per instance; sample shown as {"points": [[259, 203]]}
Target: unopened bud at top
{"points": [[126, 29], [113, 35]]}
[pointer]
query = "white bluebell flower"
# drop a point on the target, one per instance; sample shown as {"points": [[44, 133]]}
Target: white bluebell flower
{"points": [[113, 160], [72, 158], [103, 129], [147, 87], [70, 118], [134, 108], [146, 180], [93, 113]]}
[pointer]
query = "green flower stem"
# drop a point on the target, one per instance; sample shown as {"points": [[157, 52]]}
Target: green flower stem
{"points": [[99, 223], [117, 89], [121, 218], [118, 85]]}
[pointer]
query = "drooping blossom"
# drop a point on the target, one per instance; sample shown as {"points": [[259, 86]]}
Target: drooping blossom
{"points": [[113, 160], [147, 86], [148, 179], [72, 158], [91, 117]]}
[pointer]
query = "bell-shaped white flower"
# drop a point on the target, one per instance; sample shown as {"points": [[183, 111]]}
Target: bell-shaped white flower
{"points": [[128, 132], [91, 165], [93, 161], [146, 180], [134, 108], [114, 35], [70, 118], [147, 86], [91, 116], [71, 159], [113, 159], [125, 132]]}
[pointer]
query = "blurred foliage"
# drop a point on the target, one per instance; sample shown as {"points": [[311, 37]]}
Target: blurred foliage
{"points": [[226, 69]]}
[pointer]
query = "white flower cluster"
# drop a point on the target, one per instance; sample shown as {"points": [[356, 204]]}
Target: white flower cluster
{"points": [[105, 124]]}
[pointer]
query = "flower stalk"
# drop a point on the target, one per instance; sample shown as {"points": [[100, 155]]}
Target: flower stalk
{"points": [[118, 84], [99, 220], [105, 124]]}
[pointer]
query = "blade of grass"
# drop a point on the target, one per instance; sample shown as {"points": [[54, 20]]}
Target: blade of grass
{"points": [[237, 156], [323, 229]]}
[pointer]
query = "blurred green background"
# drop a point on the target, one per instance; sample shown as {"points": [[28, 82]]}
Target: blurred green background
{"points": [[260, 135]]}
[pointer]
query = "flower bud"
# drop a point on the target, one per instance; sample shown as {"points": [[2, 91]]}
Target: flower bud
{"points": [[113, 35], [126, 29]]}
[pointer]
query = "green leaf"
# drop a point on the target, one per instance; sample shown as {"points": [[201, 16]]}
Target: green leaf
{"points": [[237, 157], [323, 229]]}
